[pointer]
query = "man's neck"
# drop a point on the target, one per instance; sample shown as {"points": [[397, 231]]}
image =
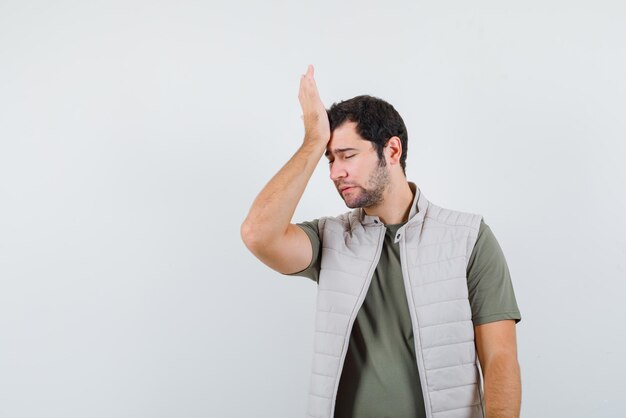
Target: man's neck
{"points": [[396, 205]]}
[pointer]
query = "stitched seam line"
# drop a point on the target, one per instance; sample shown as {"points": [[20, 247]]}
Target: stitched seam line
{"points": [[448, 367], [337, 291], [439, 281], [438, 261], [446, 323], [443, 345], [454, 409], [335, 313], [324, 354], [347, 254], [450, 224], [443, 301], [329, 332], [433, 244], [325, 375], [340, 271], [319, 396], [454, 387]]}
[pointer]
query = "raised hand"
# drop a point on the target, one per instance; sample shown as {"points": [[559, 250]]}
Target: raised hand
{"points": [[316, 124]]}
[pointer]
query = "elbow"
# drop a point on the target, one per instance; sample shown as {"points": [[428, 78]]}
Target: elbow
{"points": [[258, 237], [251, 236], [247, 233], [259, 242]]}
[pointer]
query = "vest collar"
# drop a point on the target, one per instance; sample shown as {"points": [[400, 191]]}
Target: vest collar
{"points": [[416, 214]]}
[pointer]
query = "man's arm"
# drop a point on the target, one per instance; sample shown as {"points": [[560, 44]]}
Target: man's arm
{"points": [[497, 351], [267, 230]]}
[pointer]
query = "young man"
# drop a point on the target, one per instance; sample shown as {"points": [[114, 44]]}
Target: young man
{"points": [[414, 300]]}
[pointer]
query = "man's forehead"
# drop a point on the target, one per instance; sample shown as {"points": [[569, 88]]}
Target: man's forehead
{"points": [[345, 138]]}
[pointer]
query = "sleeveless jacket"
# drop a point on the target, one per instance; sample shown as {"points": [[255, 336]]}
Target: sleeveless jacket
{"points": [[435, 247]]}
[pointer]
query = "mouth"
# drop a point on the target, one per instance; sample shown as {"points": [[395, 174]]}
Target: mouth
{"points": [[345, 189]]}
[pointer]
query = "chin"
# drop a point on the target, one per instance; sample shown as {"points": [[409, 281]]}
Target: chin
{"points": [[350, 201], [352, 204]]}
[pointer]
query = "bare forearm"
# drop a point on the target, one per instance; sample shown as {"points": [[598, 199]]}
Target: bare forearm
{"points": [[273, 208], [503, 388]]}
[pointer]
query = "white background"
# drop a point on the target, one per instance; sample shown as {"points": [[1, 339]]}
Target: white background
{"points": [[135, 135]]}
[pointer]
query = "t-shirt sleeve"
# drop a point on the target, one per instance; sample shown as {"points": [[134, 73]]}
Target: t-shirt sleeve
{"points": [[489, 284], [313, 270]]}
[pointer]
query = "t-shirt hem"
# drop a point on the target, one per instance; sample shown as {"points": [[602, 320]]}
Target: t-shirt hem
{"points": [[311, 235], [481, 320]]}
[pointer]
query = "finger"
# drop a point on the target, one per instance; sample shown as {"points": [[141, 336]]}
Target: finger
{"points": [[309, 71]]}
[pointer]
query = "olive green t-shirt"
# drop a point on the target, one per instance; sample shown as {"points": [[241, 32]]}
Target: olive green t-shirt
{"points": [[380, 376]]}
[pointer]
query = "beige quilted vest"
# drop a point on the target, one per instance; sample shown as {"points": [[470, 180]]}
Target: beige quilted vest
{"points": [[435, 246]]}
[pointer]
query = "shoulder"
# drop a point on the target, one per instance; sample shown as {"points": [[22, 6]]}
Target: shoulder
{"points": [[344, 221], [453, 218], [486, 242], [317, 226]]}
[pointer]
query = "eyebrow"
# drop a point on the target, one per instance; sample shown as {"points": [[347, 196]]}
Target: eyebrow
{"points": [[339, 150]]}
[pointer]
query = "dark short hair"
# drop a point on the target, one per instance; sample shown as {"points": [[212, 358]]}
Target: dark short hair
{"points": [[376, 121]]}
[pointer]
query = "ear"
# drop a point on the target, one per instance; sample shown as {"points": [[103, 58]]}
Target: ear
{"points": [[393, 150]]}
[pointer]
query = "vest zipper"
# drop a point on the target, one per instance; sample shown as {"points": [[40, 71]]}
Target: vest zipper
{"points": [[416, 332]]}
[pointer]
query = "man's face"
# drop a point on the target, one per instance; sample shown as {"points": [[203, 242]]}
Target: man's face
{"points": [[355, 168]]}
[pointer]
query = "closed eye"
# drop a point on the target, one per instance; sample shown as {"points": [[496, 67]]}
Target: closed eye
{"points": [[345, 158]]}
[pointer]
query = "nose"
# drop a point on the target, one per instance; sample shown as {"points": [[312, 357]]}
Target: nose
{"points": [[337, 171]]}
